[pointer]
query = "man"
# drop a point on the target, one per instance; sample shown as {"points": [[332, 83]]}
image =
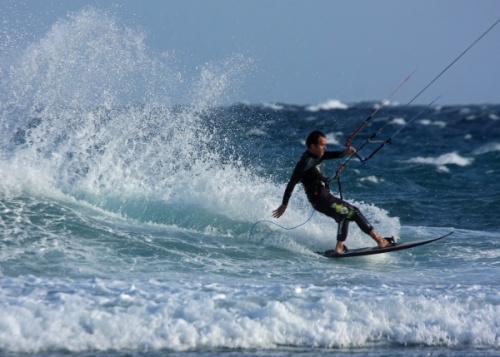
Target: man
{"points": [[310, 171]]}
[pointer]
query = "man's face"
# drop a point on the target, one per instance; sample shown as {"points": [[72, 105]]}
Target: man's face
{"points": [[319, 148]]}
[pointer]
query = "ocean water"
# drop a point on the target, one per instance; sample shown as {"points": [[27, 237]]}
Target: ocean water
{"points": [[135, 225]]}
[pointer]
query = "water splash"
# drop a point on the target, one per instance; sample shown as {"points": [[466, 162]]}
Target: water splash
{"points": [[96, 112]]}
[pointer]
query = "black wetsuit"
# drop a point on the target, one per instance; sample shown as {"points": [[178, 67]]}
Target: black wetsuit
{"points": [[310, 171]]}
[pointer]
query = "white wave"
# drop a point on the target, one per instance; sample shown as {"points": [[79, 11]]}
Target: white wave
{"points": [[398, 121], [372, 179], [331, 139], [330, 104], [273, 106], [438, 123], [99, 315], [440, 162], [386, 103], [487, 148]]}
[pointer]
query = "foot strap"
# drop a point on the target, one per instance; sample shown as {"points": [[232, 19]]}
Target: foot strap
{"points": [[391, 241]]}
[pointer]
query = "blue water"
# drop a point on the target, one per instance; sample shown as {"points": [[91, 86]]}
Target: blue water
{"points": [[126, 218]]}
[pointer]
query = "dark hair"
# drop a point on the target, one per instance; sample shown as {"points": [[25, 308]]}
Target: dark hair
{"points": [[313, 138]]}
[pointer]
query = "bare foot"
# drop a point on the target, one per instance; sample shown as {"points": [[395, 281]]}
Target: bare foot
{"points": [[340, 247], [381, 241], [387, 242]]}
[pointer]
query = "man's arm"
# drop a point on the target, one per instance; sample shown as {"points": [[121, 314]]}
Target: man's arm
{"points": [[338, 154], [294, 180]]}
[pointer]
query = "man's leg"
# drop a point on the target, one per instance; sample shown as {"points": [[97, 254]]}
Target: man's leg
{"points": [[363, 224], [342, 231], [344, 212]]}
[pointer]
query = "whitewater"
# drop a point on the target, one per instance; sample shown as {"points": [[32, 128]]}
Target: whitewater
{"points": [[136, 213]]}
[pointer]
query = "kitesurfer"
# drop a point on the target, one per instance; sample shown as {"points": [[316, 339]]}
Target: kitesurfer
{"points": [[310, 171]]}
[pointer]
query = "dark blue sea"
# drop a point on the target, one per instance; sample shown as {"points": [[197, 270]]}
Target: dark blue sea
{"points": [[136, 213]]}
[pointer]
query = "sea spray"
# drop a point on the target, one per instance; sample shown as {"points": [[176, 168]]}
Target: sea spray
{"points": [[100, 117]]}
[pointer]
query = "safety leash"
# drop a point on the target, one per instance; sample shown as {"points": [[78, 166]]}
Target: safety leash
{"points": [[280, 226]]}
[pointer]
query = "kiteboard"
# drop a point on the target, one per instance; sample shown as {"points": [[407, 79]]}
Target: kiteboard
{"points": [[376, 250]]}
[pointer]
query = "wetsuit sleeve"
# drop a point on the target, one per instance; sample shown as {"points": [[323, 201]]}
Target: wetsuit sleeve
{"points": [[294, 180], [328, 155]]}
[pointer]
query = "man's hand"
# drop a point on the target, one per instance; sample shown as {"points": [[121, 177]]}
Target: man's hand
{"points": [[279, 212], [349, 151]]}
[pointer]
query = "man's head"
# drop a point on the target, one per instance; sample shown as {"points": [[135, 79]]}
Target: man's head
{"points": [[316, 143]]}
